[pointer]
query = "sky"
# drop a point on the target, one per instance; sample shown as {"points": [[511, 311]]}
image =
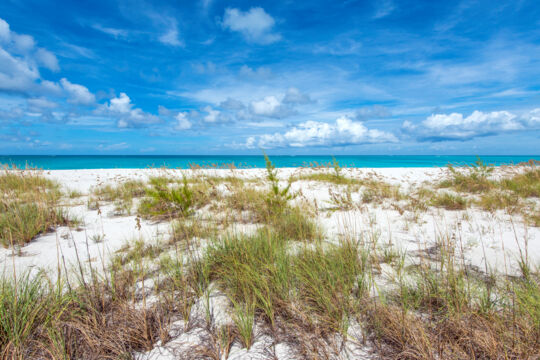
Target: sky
{"points": [[287, 77]]}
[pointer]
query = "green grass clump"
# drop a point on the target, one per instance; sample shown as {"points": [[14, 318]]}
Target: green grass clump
{"points": [[184, 230], [256, 267], [471, 179], [259, 271], [294, 223], [526, 184], [26, 184], [163, 201], [29, 206], [21, 222], [449, 201], [247, 199], [28, 306], [328, 177], [330, 281]]}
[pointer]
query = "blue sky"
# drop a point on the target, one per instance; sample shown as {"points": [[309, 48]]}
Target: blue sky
{"points": [[235, 77]]}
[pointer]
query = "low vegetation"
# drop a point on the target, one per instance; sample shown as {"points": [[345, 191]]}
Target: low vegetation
{"points": [[29, 206], [284, 278]]}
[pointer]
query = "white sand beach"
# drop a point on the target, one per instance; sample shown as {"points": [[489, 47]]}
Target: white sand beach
{"points": [[489, 239]]}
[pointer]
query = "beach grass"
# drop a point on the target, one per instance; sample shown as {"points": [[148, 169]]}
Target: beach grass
{"points": [[29, 206], [285, 278]]}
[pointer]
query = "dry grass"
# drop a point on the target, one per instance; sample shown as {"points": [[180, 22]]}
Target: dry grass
{"points": [[376, 191], [122, 195], [29, 206]]}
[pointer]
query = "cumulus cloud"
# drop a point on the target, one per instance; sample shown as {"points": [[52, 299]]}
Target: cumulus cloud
{"points": [[182, 121], [126, 115], [456, 126], [20, 61], [342, 132], [255, 25], [78, 94], [16, 74], [214, 116], [532, 118], [270, 107]]}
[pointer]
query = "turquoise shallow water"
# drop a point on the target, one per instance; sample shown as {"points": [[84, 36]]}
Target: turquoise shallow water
{"points": [[139, 162]]}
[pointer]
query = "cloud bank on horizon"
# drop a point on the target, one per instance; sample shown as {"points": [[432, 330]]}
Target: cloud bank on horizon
{"points": [[225, 77]]}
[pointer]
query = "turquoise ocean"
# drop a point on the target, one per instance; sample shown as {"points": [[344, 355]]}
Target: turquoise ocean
{"points": [[63, 162]]}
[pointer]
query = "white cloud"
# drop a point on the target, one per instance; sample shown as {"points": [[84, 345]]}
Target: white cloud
{"points": [[171, 37], [270, 107], [16, 74], [47, 59], [255, 25], [532, 118], [183, 122], [214, 116], [455, 126], [38, 104], [20, 61], [127, 117], [116, 33], [342, 132], [23, 43], [50, 87], [4, 30], [121, 104], [78, 94]]}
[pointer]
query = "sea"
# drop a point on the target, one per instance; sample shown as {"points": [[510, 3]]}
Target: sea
{"points": [[65, 162]]}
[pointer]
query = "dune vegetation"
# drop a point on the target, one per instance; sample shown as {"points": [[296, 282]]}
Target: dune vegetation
{"points": [[261, 247]]}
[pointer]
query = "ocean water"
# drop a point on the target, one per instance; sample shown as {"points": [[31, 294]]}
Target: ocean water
{"points": [[61, 162]]}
